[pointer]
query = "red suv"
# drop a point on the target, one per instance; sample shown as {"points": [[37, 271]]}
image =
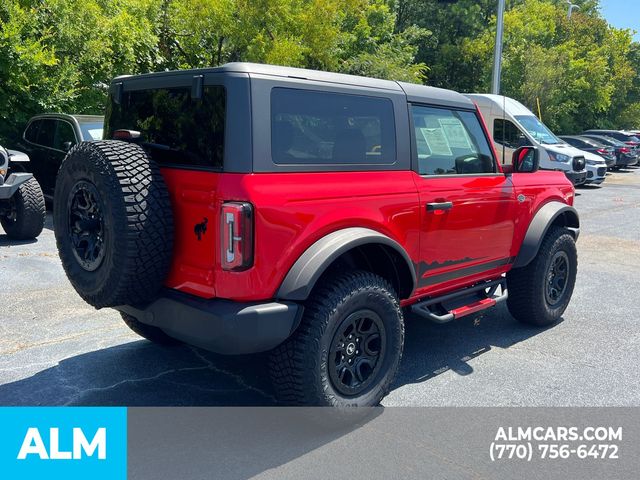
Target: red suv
{"points": [[252, 208]]}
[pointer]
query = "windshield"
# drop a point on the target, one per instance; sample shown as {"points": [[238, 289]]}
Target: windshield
{"points": [[610, 141], [538, 130], [91, 131]]}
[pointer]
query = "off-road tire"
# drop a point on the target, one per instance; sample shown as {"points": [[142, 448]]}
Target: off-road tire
{"points": [[30, 212], [149, 332], [137, 228], [527, 301], [300, 366]]}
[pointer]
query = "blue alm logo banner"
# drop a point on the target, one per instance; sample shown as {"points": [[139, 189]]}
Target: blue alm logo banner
{"points": [[63, 442]]}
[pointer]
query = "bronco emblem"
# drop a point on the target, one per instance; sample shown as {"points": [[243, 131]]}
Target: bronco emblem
{"points": [[201, 228]]}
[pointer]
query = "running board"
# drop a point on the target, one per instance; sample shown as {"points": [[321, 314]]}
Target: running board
{"points": [[462, 303]]}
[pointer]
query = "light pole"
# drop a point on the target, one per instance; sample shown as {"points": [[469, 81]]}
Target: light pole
{"points": [[497, 52], [572, 7]]}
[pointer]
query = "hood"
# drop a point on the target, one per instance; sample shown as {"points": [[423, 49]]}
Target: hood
{"points": [[566, 149], [16, 156], [592, 156]]}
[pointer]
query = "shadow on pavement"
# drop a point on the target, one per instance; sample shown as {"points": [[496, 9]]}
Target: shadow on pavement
{"points": [[143, 374], [5, 241]]}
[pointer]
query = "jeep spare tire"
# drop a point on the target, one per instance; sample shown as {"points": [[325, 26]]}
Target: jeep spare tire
{"points": [[113, 223]]}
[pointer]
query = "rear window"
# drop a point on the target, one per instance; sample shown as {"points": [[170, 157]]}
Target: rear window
{"points": [[175, 128], [323, 128]]}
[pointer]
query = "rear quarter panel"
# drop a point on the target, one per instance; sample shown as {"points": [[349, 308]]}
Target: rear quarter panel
{"points": [[293, 210]]}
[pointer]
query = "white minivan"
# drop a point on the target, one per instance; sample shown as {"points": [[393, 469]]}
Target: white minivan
{"points": [[512, 125]]}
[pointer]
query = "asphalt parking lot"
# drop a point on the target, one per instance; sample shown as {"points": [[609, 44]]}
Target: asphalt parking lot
{"points": [[57, 350]]}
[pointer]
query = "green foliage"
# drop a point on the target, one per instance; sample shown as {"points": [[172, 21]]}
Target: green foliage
{"points": [[60, 55], [584, 72]]}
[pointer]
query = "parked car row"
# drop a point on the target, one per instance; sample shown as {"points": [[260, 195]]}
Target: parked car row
{"points": [[584, 158]]}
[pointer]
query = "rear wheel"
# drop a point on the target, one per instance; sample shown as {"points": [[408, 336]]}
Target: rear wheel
{"points": [[540, 292], [347, 349], [149, 332], [26, 212]]}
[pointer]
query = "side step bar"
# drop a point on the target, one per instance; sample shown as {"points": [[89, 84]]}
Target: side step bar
{"points": [[465, 302]]}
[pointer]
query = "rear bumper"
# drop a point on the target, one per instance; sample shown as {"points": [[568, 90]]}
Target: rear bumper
{"points": [[220, 326], [624, 161]]}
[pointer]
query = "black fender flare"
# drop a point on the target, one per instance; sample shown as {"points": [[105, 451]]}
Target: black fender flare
{"points": [[542, 220], [305, 272]]}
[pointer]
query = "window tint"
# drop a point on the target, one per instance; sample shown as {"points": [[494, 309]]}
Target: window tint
{"points": [[175, 128], [46, 133], [320, 128], [64, 133], [507, 134], [450, 142], [609, 141], [576, 142], [32, 132]]}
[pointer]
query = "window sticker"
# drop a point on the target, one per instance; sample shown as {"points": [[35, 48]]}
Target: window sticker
{"points": [[436, 141], [456, 133]]}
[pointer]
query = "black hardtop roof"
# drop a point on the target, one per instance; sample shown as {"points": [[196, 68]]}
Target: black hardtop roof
{"points": [[414, 92]]}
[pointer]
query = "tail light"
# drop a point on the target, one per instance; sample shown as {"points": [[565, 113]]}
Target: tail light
{"points": [[126, 134], [624, 150], [236, 232]]}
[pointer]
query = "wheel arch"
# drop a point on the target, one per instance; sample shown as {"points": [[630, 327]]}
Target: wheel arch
{"points": [[350, 247], [550, 214]]}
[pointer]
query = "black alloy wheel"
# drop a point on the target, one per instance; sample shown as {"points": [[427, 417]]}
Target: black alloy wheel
{"points": [[357, 351], [86, 225], [557, 275]]}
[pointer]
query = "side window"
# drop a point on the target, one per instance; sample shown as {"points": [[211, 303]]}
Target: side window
{"points": [[46, 133], [31, 134], [507, 134], [64, 134], [323, 128], [450, 142]]}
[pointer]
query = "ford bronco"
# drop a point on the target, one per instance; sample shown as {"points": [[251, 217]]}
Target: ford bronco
{"points": [[252, 208]]}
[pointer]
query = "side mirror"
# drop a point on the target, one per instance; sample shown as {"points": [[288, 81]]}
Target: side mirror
{"points": [[66, 146], [526, 160]]}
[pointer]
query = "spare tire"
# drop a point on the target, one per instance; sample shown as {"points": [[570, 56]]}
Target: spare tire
{"points": [[113, 223]]}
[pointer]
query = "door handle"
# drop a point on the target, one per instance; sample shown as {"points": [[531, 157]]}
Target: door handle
{"points": [[431, 207]]}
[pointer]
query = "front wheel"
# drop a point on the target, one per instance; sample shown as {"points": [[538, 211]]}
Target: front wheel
{"points": [[26, 212], [540, 292], [347, 349]]}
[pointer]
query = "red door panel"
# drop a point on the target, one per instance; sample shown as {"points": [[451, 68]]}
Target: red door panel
{"points": [[471, 238]]}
